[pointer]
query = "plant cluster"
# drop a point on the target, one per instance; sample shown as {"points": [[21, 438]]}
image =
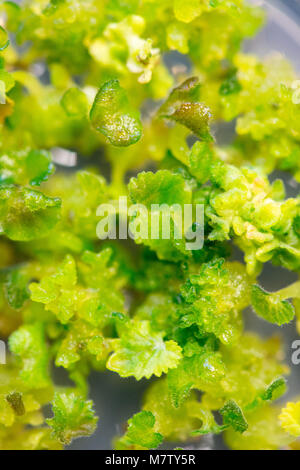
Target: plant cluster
{"points": [[95, 77]]}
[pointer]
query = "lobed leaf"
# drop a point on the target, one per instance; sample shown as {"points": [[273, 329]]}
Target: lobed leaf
{"points": [[73, 417], [140, 352]]}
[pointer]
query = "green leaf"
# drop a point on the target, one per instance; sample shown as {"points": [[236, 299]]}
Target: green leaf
{"points": [[141, 432], [23, 167], [206, 367], [26, 214], [272, 392], [168, 192], [101, 273], [233, 416], [99, 268], [58, 291], [82, 338], [209, 425], [29, 343], [275, 389], [73, 417], [16, 287], [140, 352], [112, 115], [162, 187], [200, 161], [184, 106], [213, 299], [270, 306]]}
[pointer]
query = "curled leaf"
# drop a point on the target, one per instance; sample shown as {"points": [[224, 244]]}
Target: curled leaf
{"points": [[184, 106], [271, 307], [234, 417], [112, 115]]}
